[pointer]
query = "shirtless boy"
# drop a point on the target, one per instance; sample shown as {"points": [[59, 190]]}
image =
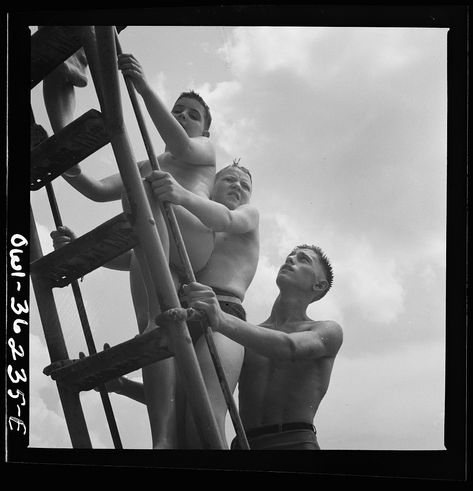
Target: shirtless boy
{"points": [[190, 157], [288, 358], [229, 272]]}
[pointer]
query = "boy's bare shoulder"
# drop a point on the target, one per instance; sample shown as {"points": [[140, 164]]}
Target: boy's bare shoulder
{"points": [[330, 332], [327, 325]]}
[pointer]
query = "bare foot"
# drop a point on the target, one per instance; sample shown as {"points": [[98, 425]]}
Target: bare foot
{"points": [[74, 69]]}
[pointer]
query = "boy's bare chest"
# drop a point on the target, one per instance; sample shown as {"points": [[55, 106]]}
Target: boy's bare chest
{"points": [[195, 178]]}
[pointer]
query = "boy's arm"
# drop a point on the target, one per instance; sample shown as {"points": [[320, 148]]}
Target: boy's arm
{"points": [[64, 235], [219, 218], [281, 346], [214, 215], [197, 150], [106, 189], [109, 188]]}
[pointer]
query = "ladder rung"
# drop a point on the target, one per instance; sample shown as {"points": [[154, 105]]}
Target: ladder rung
{"points": [[68, 147], [86, 253], [92, 371], [50, 46], [37, 135]]}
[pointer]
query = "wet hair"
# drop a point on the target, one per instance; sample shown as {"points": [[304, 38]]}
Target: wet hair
{"points": [[234, 165], [194, 95], [324, 261]]}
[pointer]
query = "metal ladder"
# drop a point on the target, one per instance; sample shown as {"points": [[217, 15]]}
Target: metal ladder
{"points": [[50, 157]]}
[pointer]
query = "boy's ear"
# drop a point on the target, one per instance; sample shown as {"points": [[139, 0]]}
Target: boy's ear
{"points": [[206, 133], [321, 285]]}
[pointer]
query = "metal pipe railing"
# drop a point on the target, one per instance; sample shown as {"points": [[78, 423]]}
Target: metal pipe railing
{"points": [[145, 226]]}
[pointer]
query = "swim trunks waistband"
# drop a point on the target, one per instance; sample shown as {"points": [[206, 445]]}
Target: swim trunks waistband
{"points": [[222, 295], [226, 298], [278, 428]]}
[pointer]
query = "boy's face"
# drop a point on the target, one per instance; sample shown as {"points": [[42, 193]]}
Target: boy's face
{"points": [[190, 115], [302, 267], [232, 188]]}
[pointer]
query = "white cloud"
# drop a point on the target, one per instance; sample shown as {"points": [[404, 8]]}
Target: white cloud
{"points": [[370, 396], [263, 49], [370, 282], [231, 131], [323, 55]]}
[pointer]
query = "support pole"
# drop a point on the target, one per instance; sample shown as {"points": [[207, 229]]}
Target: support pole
{"points": [[70, 400], [144, 223]]}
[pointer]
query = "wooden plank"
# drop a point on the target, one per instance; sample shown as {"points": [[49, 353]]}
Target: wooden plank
{"points": [[75, 142], [87, 253], [92, 371]]}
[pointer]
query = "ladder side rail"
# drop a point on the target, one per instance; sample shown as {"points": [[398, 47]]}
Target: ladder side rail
{"points": [[143, 220], [56, 345], [173, 226], [86, 329]]}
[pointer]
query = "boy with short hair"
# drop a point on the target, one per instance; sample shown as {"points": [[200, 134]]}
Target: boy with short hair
{"points": [[190, 157], [229, 272], [288, 358]]}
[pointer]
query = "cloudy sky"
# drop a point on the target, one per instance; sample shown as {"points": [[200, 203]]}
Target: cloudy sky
{"points": [[344, 130]]}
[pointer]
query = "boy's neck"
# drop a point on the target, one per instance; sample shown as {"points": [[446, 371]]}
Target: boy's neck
{"points": [[288, 308]]}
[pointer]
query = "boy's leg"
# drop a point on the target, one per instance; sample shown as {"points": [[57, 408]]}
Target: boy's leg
{"points": [[231, 357], [59, 91], [198, 240], [159, 382], [159, 379]]}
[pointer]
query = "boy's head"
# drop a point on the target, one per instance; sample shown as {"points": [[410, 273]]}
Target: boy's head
{"points": [[325, 266], [207, 118], [309, 268], [232, 186], [235, 165]]}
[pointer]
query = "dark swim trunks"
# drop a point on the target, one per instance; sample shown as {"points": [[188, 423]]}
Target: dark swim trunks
{"points": [[227, 301], [288, 436]]}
